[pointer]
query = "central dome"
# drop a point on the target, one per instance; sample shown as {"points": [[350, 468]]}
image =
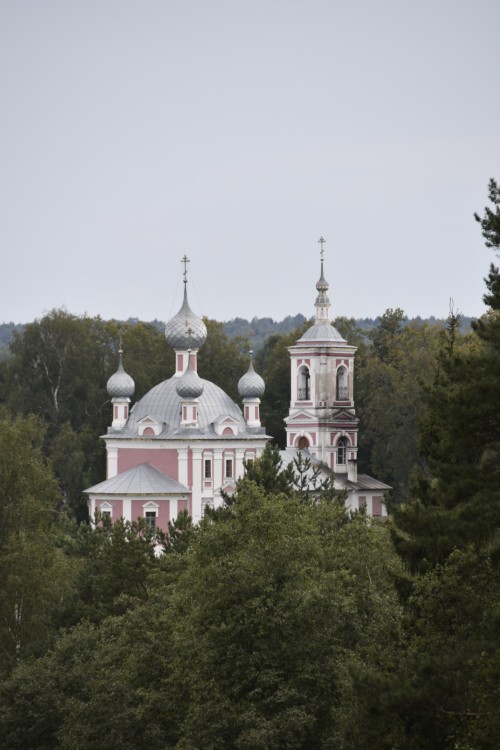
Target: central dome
{"points": [[163, 403], [186, 330]]}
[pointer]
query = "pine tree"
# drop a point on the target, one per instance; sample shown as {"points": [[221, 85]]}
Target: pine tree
{"points": [[456, 498]]}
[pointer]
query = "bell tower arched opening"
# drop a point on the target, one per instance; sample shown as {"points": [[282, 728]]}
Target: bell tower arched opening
{"points": [[303, 384], [342, 393]]}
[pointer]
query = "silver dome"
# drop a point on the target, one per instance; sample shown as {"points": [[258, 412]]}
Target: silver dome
{"points": [[120, 384], [251, 385], [163, 403], [189, 385], [186, 330]]}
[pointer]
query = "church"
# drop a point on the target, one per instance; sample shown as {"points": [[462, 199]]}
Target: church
{"points": [[186, 441]]}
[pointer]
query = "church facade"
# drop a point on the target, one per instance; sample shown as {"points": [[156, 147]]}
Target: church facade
{"points": [[186, 441]]}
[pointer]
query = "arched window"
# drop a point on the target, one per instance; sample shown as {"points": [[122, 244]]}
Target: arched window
{"points": [[342, 384], [341, 451], [304, 384], [303, 443]]}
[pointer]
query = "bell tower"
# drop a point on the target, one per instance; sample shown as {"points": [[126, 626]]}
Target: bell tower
{"points": [[322, 417]]}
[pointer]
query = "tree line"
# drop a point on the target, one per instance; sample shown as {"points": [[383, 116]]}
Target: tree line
{"points": [[281, 621]]}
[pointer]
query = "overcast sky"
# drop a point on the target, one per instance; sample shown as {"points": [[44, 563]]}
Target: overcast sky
{"points": [[238, 132]]}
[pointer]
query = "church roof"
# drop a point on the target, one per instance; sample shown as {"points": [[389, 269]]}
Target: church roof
{"points": [[322, 332], [163, 404], [143, 479]]}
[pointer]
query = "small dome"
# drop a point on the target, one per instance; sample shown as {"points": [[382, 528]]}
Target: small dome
{"points": [[190, 385], [251, 385], [120, 384], [186, 330], [322, 284]]}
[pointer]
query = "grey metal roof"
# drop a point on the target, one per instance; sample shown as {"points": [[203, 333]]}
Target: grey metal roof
{"points": [[322, 332], [143, 479], [364, 482], [163, 404]]}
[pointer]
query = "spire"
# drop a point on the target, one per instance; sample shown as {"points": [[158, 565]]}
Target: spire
{"points": [[322, 303]]}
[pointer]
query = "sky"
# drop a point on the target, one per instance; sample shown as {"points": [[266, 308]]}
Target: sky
{"points": [[134, 132]]}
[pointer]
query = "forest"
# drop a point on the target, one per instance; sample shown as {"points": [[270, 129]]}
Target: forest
{"points": [[281, 621]]}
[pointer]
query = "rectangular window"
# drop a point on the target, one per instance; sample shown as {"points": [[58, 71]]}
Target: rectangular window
{"points": [[229, 468], [377, 506], [362, 501], [208, 468], [151, 519]]}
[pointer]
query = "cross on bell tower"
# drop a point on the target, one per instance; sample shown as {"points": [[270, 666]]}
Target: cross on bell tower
{"points": [[321, 242]]}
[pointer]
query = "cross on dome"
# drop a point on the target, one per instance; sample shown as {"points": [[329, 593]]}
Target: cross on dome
{"points": [[185, 260]]}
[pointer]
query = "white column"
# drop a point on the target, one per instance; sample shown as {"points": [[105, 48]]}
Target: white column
{"points": [[239, 455], [183, 465], [218, 471], [127, 509], [112, 461], [173, 508], [197, 455]]}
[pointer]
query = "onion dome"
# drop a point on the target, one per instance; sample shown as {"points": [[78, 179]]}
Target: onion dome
{"points": [[120, 384], [186, 330], [251, 385], [190, 385]]}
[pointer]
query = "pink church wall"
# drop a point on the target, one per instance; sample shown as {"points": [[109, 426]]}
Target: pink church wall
{"points": [[136, 508], [163, 514], [182, 505], [163, 460], [117, 508]]}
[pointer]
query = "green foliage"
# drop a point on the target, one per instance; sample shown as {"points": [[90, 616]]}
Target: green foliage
{"points": [[389, 380], [384, 335], [180, 536], [453, 622], [33, 573], [113, 562], [249, 643], [456, 497]]}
